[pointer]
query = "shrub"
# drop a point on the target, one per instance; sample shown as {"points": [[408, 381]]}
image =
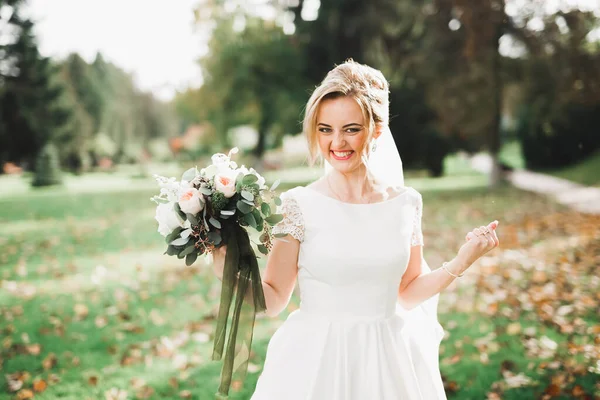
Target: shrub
{"points": [[47, 168]]}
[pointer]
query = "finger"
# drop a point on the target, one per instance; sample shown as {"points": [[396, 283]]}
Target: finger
{"points": [[493, 225], [496, 240]]}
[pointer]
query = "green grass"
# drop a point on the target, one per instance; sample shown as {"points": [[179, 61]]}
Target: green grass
{"points": [[82, 274], [586, 172]]}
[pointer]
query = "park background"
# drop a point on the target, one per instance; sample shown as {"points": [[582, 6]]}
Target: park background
{"points": [[495, 108]]}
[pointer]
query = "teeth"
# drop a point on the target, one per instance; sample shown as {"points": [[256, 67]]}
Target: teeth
{"points": [[343, 154]]}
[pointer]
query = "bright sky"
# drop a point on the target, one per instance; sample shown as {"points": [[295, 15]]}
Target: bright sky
{"points": [[154, 40]]}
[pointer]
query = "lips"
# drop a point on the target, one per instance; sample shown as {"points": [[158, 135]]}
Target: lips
{"points": [[342, 158]]}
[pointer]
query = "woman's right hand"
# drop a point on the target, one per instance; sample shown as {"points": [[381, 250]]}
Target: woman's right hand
{"points": [[219, 260]]}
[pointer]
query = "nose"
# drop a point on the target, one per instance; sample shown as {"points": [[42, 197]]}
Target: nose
{"points": [[338, 140]]}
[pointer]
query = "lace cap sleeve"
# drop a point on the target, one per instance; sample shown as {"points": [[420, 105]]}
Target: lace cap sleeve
{"points": [[417, 235], [292, 222]]}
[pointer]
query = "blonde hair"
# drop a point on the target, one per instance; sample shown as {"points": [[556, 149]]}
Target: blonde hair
{"points": [[366, 85]]}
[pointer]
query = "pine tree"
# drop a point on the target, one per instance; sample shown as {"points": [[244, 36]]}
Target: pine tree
{"points": [[31, 109], [47, 168]]}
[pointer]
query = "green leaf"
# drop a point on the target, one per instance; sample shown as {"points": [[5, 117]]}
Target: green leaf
{"points": [[266, 209], [215, 222], [178, 211], [250, 220], [275, 184], [214, 237], [173, 235], [171, 250], [190, 259], [193, 219], [189, 174], [243, 207], [273, 219], [280, 235], [247, 195], [205, 191], [188, 250], [257, 216], [263, 249], [180, 241], [264, 237], [250, 203], [248, 179], [277, 201], [228, 212]]}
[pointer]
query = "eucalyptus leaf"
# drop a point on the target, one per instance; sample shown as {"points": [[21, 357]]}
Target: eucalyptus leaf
{"points": [[243, 207], [280, 235], [266, 209], [275, 184], [178, 211], [205, 191], [180, 241], [204, 218], [173, 235], [247, 195], [263, 249], [186, 233], [274, 219], [188, 250], [190, 259], [214, 222], [277, 201], [171, 250], [214, 237], [250, 220], [189, 174], [257, 216], [250, 203], [227, 212], [264, 237], [193, 219], [248, 179]]}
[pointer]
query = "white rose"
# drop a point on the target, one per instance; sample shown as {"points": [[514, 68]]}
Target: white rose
{"points": [[225, 183], [191, 201], [219, 158], [167, 218], [261, 180]]}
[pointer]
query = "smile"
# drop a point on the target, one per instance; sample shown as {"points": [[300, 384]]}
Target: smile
{"points": [[342, 155]]}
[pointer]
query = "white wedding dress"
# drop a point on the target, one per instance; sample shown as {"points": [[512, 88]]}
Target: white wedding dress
{"points": [[350, 339]]}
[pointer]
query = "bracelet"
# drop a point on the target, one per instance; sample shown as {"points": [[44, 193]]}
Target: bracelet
{"points": [[446, 269]]}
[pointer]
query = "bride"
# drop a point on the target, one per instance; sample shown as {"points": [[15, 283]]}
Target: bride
{"points": [[367, 323]]}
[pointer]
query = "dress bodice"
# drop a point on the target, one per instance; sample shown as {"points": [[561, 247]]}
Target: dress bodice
{"points": [[352, 256]]}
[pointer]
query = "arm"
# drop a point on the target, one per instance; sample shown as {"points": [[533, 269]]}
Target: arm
{"points": [[417, 286], [279, 278]]}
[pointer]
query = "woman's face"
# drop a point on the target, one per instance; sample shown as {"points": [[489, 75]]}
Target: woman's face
{"points": [[341, 132]]}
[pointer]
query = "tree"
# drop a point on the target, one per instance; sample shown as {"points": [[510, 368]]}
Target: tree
{"points": [[32, 111], [252, 77], [47, 168]]}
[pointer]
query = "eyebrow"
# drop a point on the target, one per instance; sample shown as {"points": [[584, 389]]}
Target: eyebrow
{"points": [[345, 126]]}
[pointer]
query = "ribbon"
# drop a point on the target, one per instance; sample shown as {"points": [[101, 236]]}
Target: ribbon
{"points": [[249, 299]]}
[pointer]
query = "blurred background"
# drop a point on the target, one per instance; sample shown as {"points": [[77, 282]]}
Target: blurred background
{"points": [[495, 108]]}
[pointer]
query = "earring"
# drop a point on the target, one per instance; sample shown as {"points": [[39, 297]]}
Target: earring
{"points": [[374, 147]]}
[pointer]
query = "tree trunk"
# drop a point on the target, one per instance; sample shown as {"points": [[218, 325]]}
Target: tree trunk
{"points": [[496, 132]]}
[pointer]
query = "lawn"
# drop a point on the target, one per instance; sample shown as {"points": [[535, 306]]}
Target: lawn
{"points": [[91, 309]]}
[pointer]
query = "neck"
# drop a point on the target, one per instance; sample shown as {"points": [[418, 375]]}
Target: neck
{"points": [[354, 185]]}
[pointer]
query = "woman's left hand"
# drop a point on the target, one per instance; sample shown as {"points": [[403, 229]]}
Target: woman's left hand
{"points": [[478, 242]]}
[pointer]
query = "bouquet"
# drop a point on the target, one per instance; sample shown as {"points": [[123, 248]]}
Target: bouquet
{"points": [[211, 208]]}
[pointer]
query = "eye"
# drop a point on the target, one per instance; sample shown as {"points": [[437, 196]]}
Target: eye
{"points": [[324, 130], [353, 131]]}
